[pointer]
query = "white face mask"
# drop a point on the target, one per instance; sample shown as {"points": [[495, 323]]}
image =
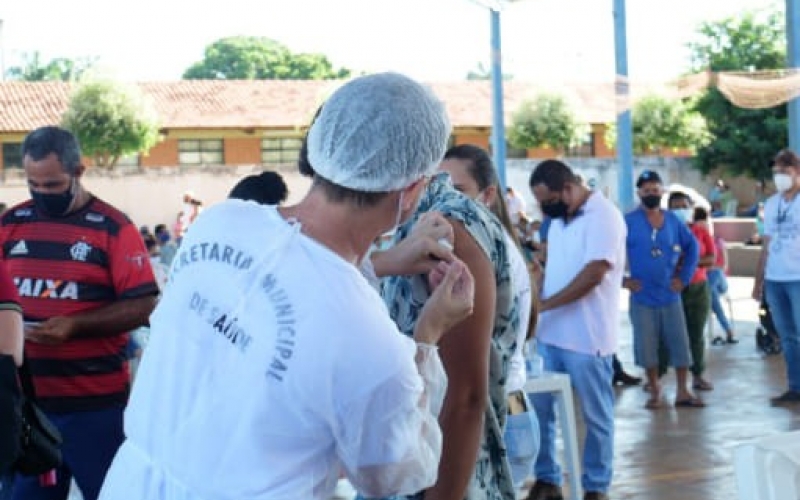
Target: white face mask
{"points": [[783, 182], [397, 220]]}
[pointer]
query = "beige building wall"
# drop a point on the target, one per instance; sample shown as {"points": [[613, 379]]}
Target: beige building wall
{"points": [[155, 195]]}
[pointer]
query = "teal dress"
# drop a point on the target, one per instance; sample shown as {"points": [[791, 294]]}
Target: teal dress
{"points": [[406, 295]]}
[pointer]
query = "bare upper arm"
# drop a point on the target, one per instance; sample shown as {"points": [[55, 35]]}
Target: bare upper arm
{"points": [[465, 349]]}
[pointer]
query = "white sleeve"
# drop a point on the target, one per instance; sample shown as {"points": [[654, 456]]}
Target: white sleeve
{"points": [[390, 442], [603, 238]]}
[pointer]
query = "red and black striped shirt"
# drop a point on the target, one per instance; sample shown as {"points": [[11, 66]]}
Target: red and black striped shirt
{"points": [[67, 265]]}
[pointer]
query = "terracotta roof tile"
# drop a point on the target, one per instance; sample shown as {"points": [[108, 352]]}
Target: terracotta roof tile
{"points": [[212, 104]]}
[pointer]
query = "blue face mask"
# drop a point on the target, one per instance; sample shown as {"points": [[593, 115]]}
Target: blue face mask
{"points": [[163, 238], [54, 204], [684, 214]]}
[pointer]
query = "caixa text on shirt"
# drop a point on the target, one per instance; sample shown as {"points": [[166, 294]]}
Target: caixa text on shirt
{"points": [[46, 288]]}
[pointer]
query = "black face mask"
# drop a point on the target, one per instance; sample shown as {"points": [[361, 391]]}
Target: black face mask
{"points": [[53, 204], [651, 200], [555, 210]]}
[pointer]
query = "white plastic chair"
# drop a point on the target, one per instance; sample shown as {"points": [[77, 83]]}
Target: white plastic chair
{"points": [[769, 468]]}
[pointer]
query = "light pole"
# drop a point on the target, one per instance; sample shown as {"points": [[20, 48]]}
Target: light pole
{"points": [[793, 56], [498, 115], [622, 94]]}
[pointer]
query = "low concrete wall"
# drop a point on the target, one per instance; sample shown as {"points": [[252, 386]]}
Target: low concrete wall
{"points": [[743, 259], [153, 196], [734, 230]]}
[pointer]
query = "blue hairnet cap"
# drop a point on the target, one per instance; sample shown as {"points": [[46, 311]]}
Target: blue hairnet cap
{"points": [[379, 132]]}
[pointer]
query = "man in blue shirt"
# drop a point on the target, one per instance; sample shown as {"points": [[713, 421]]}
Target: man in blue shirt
{"points": [[662, 256]]}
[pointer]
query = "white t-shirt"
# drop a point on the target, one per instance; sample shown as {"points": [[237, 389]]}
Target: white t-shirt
{"points": [[782, 225], [521, 288], [273, 366], [516, 204], [589, 325]]}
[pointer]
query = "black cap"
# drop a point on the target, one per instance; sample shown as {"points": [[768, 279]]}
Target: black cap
{"points": [[648, 176]]}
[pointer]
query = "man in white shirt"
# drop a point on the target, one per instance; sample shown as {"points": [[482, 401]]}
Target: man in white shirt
{"points": [[778, 275], [578, 326], [273, 366]]}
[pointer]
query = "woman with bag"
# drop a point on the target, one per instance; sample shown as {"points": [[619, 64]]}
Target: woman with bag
{"points": [[11, 341]]}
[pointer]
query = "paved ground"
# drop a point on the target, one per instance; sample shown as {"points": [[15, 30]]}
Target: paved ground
{"points": [[686, 454]]}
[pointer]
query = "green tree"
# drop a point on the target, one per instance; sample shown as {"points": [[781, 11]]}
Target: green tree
{"points": [[259, 58], [661, 123], [34, 69], [548, 120], [742, 140], [110, 120]]}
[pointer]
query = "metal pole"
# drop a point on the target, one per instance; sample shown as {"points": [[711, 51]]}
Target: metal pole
{"points": [[498, 123], [793, 61], [624, 125]]}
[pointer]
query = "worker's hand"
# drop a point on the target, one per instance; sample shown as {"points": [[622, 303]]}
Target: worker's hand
{"points": [[53, 331], [451, 301], [430, 242]]}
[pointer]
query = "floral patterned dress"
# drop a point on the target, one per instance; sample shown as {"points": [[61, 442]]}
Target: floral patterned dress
{"points": [[406, 295]]}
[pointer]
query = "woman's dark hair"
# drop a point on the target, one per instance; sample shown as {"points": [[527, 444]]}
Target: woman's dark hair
{"points": [[700, 213], [481, 169], [267, 188]]}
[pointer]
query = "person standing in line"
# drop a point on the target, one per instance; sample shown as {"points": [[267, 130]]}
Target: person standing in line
{"points": [[717, 280], [85, 281], [662, 257], [696, 296], [167, 245], [476, 354], [778, 274], [579, 322], [474, 174]]}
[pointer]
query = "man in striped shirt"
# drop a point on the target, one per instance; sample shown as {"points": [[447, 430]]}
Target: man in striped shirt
{"points": [[84, 281]]}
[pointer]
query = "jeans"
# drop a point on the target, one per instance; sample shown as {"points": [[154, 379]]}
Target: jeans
{"points": [[719, 287], [591, 379], [91, 439], [6, 481], [522, 443], [783, 298]]}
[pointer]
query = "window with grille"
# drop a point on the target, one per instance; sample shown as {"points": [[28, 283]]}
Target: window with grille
{"points": [[280, 151], [201, 152], [12, 155]]}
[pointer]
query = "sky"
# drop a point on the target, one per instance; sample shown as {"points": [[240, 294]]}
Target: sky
{"points": [[433, 40]]}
